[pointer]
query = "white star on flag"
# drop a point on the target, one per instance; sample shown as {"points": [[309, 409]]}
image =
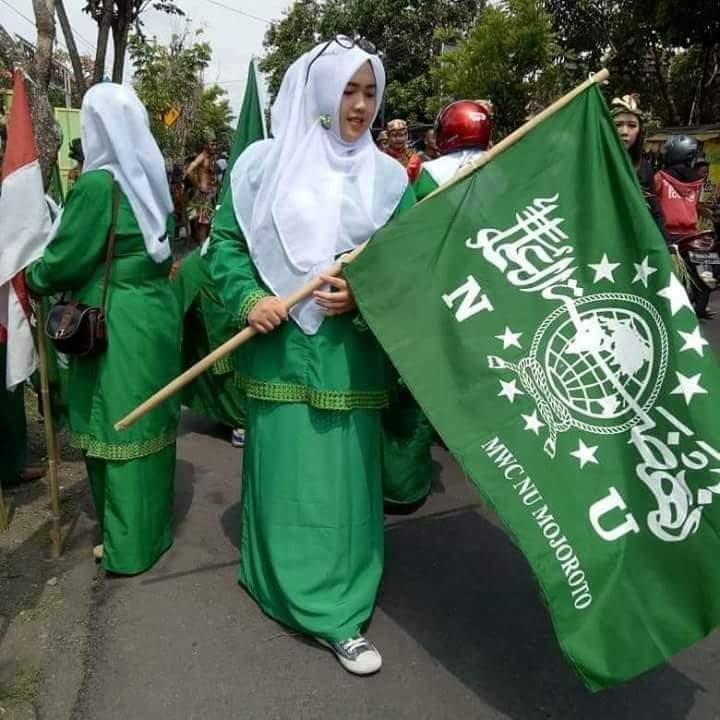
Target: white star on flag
{"points": [[510, 390], [585, 454], [509, 338], [604, 269], [533, 423], [643, 271], [693, 341], [675, 293], [688, 387]]}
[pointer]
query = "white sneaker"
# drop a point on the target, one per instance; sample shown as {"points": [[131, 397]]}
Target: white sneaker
{"points": [[357, 655]]}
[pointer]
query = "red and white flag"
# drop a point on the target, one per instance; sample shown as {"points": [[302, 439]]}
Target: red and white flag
{"points": [[24, 232]]}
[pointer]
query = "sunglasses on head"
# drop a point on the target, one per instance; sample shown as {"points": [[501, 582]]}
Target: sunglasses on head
{"points": [[344, 42]]}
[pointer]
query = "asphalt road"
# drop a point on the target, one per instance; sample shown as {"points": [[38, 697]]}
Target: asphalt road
{"points": [[459, 622]]}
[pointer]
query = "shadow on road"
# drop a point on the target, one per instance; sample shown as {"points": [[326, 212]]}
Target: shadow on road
{"points": [[231, 524], [462, 590], [184, 491], [191, 422]]}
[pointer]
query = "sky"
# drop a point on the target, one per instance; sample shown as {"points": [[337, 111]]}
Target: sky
{"points": [[234, 37]]}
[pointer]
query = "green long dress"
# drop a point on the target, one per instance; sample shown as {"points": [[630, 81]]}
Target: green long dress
{"points": [[312, 515], [206, 326], [131, 472]]}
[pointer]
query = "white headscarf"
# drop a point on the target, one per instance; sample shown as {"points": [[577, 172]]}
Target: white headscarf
{"points": [[307, 196], [445, 167], [115, 134]]}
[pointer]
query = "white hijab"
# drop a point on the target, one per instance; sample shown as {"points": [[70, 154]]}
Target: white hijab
{"points": [[445, 167], [115, 134], [306, 196]]}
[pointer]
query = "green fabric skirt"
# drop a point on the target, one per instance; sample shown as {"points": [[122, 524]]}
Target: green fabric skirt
{"points": [[133, 503], [213, 394], [407, 441], [312, 516]]}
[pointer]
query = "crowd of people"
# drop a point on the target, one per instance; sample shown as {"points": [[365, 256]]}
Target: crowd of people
{"points": [[314, 391]]}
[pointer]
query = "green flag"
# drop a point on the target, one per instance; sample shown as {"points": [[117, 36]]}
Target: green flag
{"points": [[533, 312], [250, 125]]}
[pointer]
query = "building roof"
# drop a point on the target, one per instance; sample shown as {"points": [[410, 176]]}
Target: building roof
{"points": [[699, 132]]}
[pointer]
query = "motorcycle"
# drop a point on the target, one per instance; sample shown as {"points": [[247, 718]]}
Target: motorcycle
{"points": [[700, 254]]}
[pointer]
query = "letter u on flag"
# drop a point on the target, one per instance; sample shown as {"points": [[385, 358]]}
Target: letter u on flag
{"points": [[24, 230], [532, 310]]}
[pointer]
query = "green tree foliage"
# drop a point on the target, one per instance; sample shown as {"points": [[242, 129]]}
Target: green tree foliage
{"points": [[522, 54], [6, 76], [406, 34], [170, 77], [510, 56], [213, 116], [668, 51]]}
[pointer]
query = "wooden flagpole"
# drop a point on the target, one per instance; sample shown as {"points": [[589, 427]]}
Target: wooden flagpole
{"points": [[234, 342], [50, 437], [248, 333]]}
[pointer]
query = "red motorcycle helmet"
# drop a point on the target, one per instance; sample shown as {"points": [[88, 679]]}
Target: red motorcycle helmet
{"points": [[463, 124]]}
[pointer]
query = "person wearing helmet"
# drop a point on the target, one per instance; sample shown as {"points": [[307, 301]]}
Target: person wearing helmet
{"points": [[462, 133], [630, 124], [678, 186], [399, 148]]}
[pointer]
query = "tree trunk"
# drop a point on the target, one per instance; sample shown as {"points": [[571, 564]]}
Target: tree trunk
{"points": [[121, 29], [104, 26], [697, 103], [80, 86], [45, 21], [658, 63], [47, 136]]}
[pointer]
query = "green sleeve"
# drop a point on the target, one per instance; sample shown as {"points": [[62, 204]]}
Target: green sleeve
{"points": [[424, 185], [78, 247], [236, 280]]}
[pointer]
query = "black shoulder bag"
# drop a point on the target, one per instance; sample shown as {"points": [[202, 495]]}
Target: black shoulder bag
{"points": [[81, 330]]}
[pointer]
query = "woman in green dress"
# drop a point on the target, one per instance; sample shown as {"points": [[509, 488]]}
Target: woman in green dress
{"points": [[131, 473], [316, 382]]}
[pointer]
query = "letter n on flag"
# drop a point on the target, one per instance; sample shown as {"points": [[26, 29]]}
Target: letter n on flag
{"points": [[25, 223]]}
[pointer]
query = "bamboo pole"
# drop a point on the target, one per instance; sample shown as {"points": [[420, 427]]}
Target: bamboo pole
{"points": [[50, 437], [233, 343], [248, 333], [513, 137]]}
